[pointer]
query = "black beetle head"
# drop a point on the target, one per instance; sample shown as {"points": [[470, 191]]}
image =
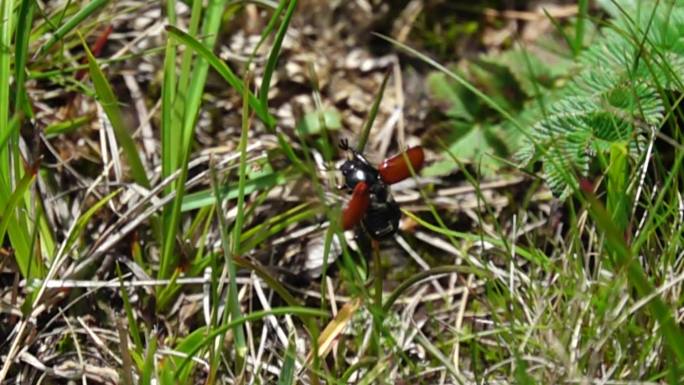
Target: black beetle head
{"points": [[355, 171]]}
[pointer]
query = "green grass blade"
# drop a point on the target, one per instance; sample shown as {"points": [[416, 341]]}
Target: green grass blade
{"points": [[440, 357], [223, 70], [83, 220], [520, 373], [148, 367], [170, 146], [193, 100], [268, 231], [269, 27], [423, 275], [8, 218], [71, 24], [176, 89], [285, 146], [205, 198], [273, 220], [671, 332], [535, 257], [110, 104], [66, 126], [275, 52], [372, 114], [186, 346], [233, 302], [166, 375], [373, 375], [242, 173], [617, 189], [11, 130], [6, 19], [188, 54], [287, 373], [49, 74], [271, 282], [293, 310], [653, 220], [24, 21], [580, 26], [559, 29], [132, 324]]}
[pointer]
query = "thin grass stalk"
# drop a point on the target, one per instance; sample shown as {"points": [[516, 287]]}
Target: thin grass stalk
{"points": [[378, 317], [233, 303], [372, 114], [580, 26], [181, 92], [211, 25], [24, 21], [275, 52], [215, 349], [169, 142], [6, 20]]}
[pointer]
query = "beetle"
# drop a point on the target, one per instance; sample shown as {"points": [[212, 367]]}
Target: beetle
{"points": [[371, 202]]}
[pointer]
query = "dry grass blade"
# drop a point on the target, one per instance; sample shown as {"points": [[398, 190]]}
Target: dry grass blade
{"points": [[334, 328]]}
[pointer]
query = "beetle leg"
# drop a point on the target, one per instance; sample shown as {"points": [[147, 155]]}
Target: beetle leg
{"points": [[344, 144]]}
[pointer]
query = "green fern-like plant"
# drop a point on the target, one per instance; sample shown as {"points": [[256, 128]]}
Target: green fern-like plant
{"points": [[477, 133], [618, 93]]}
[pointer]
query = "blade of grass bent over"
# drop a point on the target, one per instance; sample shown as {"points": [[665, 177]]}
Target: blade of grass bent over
{"points": [[71, 24], [83, 219], [271, 282], [205, 198], [110, 105], [223, 70]]}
